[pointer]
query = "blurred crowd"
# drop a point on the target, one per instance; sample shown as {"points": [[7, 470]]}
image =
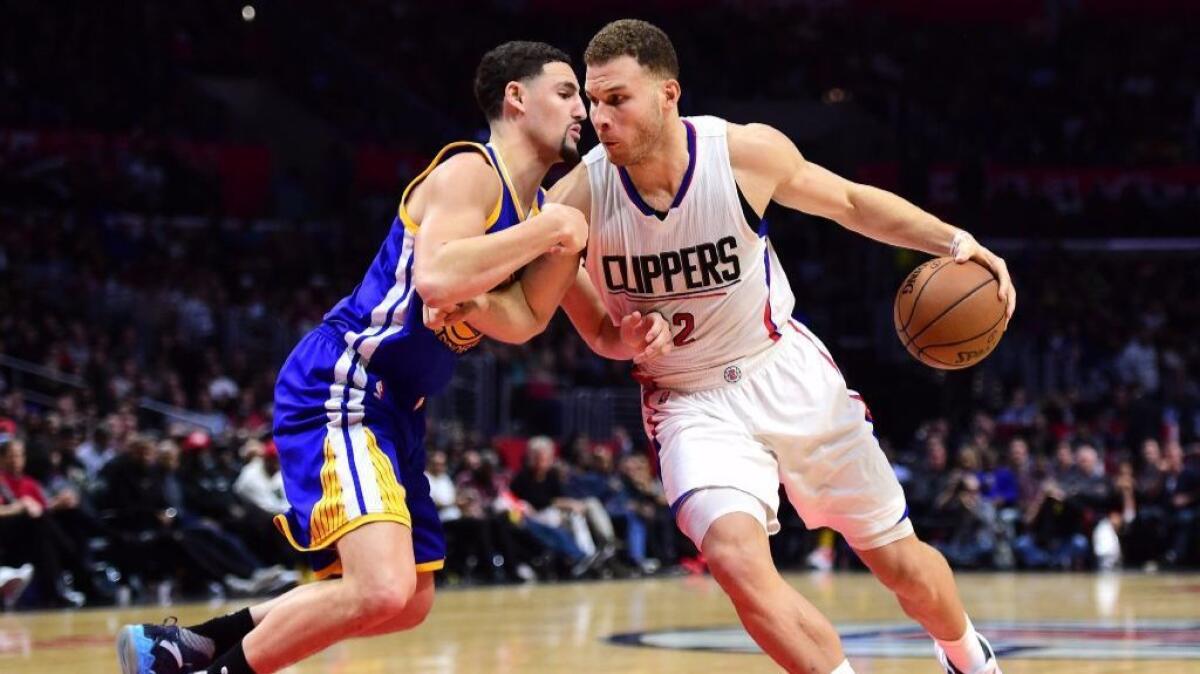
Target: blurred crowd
{"points": [[1046, 88], [117, 511]]}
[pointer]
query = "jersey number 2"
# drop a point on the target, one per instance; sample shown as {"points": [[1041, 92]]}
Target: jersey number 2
{"points": [[688, 322]]}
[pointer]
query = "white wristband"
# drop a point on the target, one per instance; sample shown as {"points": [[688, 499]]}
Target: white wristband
{"points": [[960, 237]]}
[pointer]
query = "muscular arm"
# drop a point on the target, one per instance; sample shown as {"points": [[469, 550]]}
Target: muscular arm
{"points": [[773, 165], [582, 302], [770, 168], [517, 313], [455, 261], [638, 337], [591, 321]]}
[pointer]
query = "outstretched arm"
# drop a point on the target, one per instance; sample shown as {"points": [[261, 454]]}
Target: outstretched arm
{"points": [[773, 167]]}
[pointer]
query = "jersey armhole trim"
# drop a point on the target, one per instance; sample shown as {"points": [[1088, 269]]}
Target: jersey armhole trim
{"points": [[446, 152]]}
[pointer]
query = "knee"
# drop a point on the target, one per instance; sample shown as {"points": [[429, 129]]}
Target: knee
{"points": [[738, 562], [417, 609], [382, 597], [911, 576]]}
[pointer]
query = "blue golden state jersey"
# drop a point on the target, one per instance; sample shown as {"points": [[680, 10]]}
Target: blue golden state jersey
{"points": [[381, 320]]}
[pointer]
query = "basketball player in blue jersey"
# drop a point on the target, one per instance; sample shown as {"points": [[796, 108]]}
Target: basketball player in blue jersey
{"points": [[349, 420], [749, 400]]}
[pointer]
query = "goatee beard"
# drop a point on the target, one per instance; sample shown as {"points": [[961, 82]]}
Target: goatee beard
{"points": [[569, 153]]}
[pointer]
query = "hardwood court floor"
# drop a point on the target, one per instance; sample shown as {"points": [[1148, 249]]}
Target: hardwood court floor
{"points": [[1087, 623]]}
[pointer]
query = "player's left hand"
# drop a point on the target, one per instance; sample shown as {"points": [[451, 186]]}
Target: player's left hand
{"points": [[649, 335], [436, 319], [965, 247]]}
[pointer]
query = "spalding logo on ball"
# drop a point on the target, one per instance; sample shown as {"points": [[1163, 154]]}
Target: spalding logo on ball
{"points": [[949, 315]]}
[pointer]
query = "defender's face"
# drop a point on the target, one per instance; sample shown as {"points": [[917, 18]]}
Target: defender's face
{"points": [[554, 110], [627, 108]]}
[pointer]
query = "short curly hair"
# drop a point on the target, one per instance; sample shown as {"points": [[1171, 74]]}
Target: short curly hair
{"points": [[642, 40], [510, 62]]}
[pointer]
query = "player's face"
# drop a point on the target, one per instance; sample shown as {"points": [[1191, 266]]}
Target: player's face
{"points": [[628, 108], [555, 112]]}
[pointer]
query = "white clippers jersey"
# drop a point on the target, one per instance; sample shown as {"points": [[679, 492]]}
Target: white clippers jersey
{"points": [[704, 267]]}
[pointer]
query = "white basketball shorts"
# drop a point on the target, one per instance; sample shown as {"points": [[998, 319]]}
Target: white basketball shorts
{"points": [[787, 418]]}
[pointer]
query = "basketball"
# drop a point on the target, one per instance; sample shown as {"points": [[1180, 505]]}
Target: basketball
{"points": [[948, 315]]}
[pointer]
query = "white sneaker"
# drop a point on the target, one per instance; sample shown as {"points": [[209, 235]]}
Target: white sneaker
{"points": [[989, 667], [526, 573], [13, 583], [273, 584], [240, 586], [271, 572]]}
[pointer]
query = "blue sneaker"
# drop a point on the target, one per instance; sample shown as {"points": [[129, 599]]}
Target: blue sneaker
{"points": [[160, 649]]}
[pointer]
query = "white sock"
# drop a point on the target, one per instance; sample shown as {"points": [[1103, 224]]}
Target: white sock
{"points": [[843, 668], [966, 652]]}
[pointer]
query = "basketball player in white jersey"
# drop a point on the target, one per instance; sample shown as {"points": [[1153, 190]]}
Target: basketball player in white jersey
{"points": [[748, 399]]}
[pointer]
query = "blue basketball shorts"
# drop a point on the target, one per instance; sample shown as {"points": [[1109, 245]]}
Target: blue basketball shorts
{"points": [[351, 452]]}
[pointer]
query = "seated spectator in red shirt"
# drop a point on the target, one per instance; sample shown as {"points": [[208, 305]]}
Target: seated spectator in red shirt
{"points": [[23, 517]]}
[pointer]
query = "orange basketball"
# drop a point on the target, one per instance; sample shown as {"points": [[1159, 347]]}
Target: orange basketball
{"points": [[948, 315]]}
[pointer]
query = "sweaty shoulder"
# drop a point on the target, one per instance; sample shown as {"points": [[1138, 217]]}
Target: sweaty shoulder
{"points": [[574, 189], [464, 180]]}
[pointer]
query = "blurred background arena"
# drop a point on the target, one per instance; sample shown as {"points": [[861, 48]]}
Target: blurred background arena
{"points": [[186, 187]]}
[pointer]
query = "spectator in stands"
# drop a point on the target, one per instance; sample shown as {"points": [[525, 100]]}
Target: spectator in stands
{"points": [[540, 484], [259, 488], [1150, 478], [261, 482], [1020, 413], [1183, 493], [146, 493], [70, 506], [556, 521], [649, 501], [475, 542], [1053, 537], [96, 452], [1138, 362], [441, 487], [1084, 482], [492, 526], [973, 524], [581, 485], [1064, 462], [595, 484], [1024, 472], [24, 517], [924, 493]]}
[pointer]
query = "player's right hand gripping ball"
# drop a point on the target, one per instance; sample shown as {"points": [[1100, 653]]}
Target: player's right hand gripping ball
{"points": [[948, 315]]}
